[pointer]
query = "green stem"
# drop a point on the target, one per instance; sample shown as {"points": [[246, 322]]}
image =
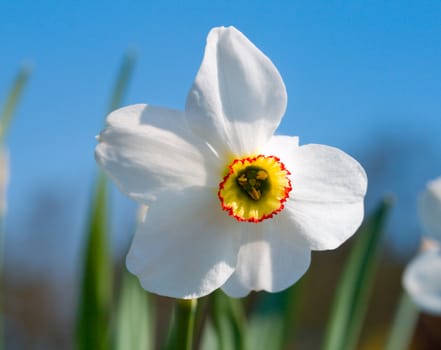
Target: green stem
{"points": [[184, 323]]}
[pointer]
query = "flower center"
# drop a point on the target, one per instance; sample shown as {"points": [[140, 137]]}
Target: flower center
{"points": [[255, 188]]}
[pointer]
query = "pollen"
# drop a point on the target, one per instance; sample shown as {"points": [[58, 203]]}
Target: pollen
{"points": [[255, 188]]}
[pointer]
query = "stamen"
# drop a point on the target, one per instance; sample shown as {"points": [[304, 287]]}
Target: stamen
{"points": [[251, 180], [255, 188]]}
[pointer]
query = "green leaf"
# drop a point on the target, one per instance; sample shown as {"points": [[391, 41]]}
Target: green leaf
{"points": [[351, 299], [135, 326], [274, 322], [182, 328], [122, 81], [94, 309], [95, 305], [13, 99], [403, 326], [209, 337], [6, 116], [229, 321]]}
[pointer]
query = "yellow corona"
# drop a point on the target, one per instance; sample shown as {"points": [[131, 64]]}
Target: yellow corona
{"points": [[255, 188]]}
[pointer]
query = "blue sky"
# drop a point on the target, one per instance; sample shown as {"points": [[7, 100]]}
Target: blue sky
{"points": [[363, 76]]}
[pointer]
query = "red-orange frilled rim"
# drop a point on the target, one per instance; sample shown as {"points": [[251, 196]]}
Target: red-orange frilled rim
{"points": [[255, 188]]}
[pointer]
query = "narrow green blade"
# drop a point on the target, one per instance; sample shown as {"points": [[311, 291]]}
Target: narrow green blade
{"points": [[12, 100], [229, 321], [96, 291], [182, 326], [209, 337], [6, 116], [134, 323], [351, 299], [122, 81], [4, 174], [95, 306], [273, 324], [403, 325]]}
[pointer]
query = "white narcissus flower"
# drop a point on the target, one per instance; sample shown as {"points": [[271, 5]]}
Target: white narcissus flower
{"points": [[4, 179], [231, 205], [422, 277]]}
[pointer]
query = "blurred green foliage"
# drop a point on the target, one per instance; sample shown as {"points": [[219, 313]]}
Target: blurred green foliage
{"points": [[353, 291], [95, 305]]}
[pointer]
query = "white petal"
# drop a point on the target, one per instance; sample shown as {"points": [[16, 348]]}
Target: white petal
{"points": [[430, 209], [271, 258], [422, 280], [282, 147], [147, 149], [186, 247], [326, 202], [238, 97]]}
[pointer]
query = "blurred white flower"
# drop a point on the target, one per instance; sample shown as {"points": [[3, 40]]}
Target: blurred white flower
{"points": [[231, 205], [422, 277], [4, 179]]}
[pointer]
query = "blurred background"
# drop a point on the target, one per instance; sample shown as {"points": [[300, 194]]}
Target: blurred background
{"points": [[363, 76]]}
